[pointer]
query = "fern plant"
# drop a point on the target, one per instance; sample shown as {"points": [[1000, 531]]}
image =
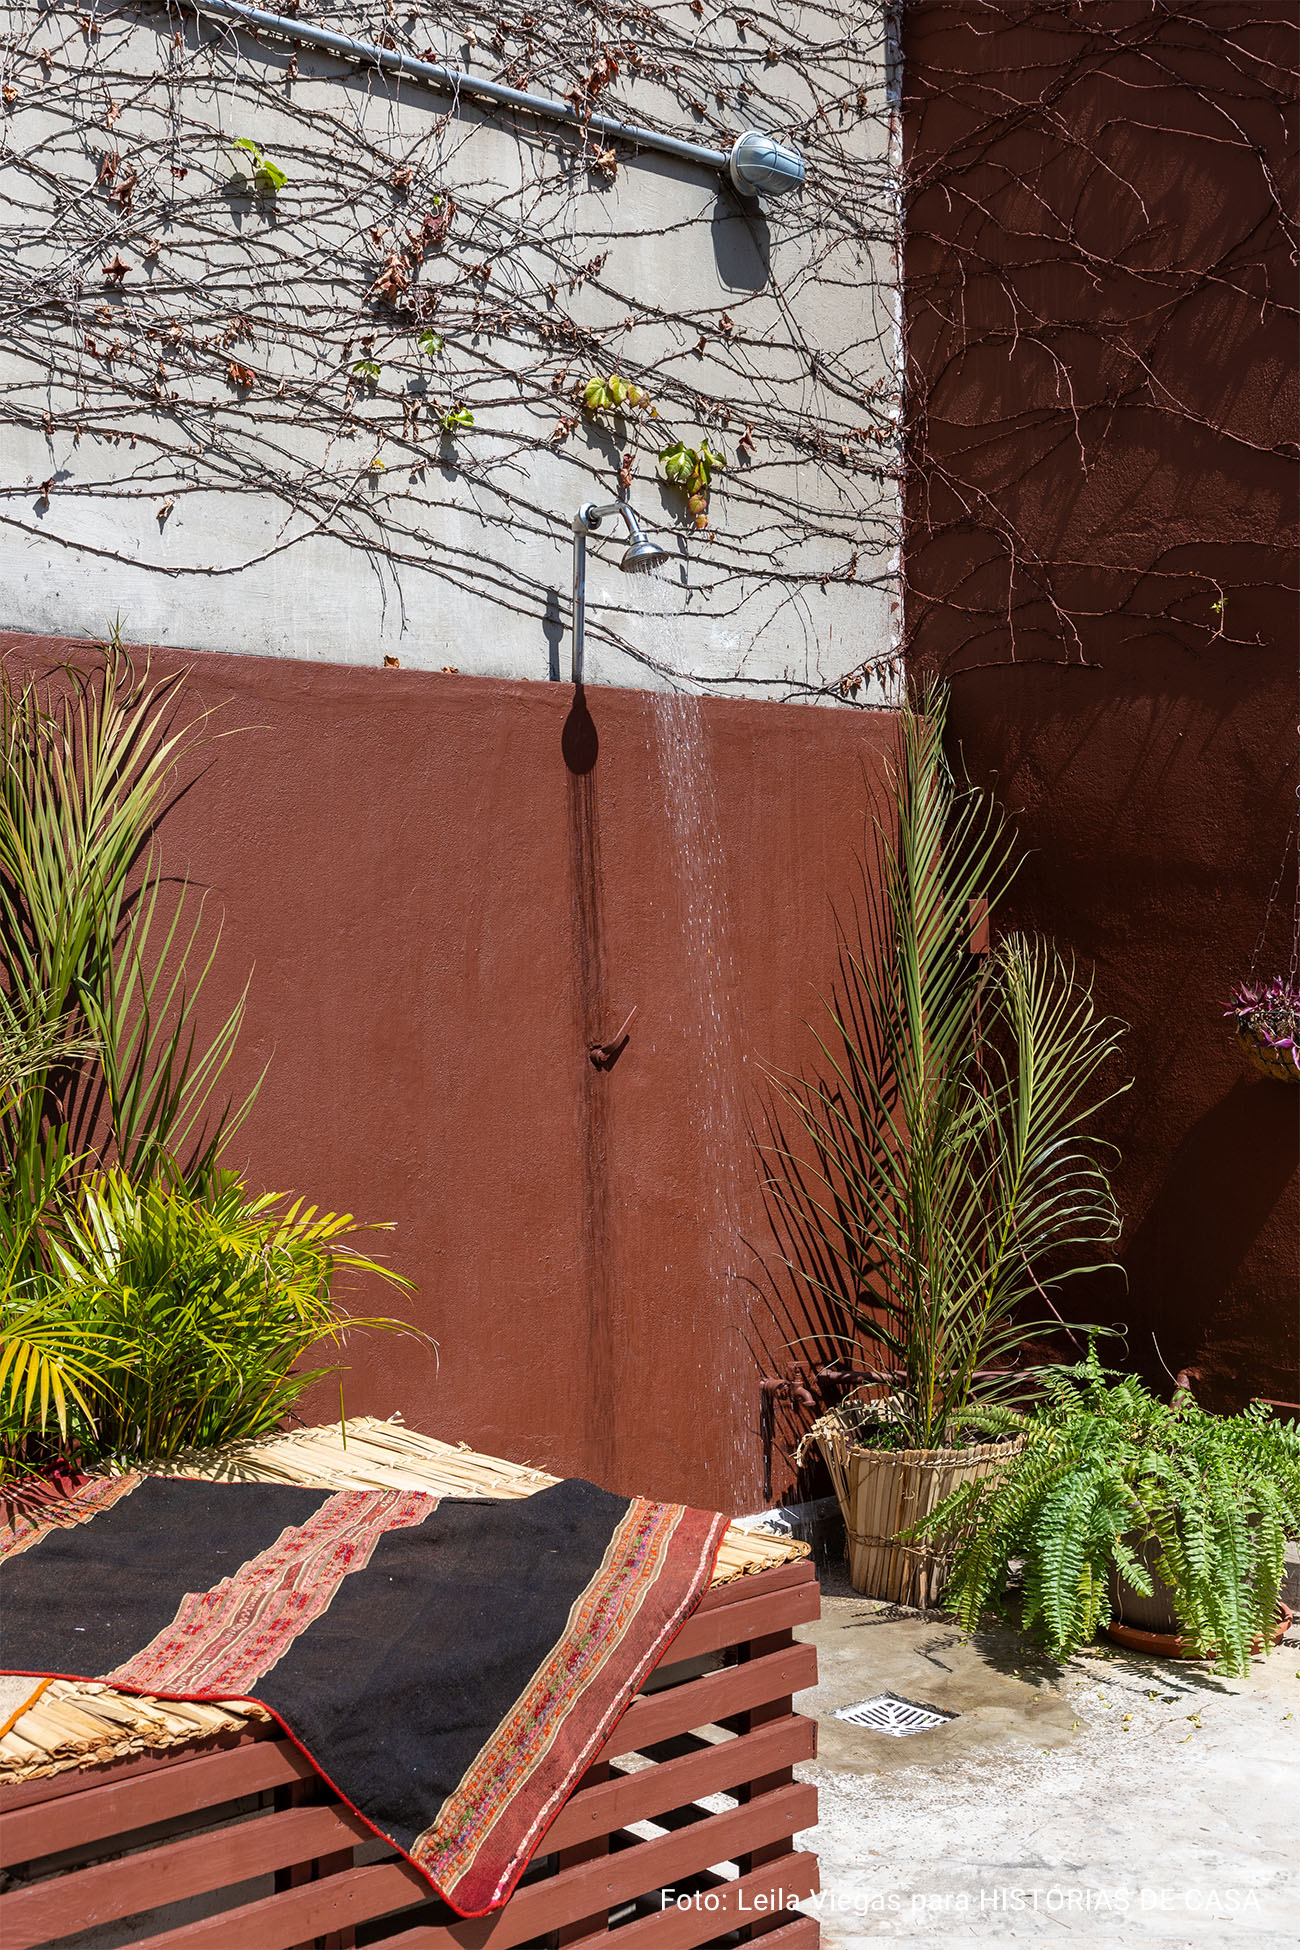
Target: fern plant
{"points": [[1111, 1481]]}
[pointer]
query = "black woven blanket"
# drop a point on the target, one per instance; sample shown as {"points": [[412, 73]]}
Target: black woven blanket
{"points": [[450, 1666]]}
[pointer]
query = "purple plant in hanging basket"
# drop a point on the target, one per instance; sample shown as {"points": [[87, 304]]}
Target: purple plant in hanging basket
{"points": [[1268, 1025]]}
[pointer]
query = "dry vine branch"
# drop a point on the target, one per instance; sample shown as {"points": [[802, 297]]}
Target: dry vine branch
{"points": [[1101, 304]]}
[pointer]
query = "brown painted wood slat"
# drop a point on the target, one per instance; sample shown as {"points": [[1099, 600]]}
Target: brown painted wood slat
{"points": [[714, 1697], [120, 1806], [677, 1929], [800, 1935], [738, 1903], [757, 1585], [32, 1915], [803, 1934], [305, 1913], [751, 1618], [361, 1895], [632, 1872], [600, 1809]]}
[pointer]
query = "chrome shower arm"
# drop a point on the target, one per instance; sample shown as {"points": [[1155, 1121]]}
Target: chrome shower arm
{"points": [[639, 555], [590, 516]]}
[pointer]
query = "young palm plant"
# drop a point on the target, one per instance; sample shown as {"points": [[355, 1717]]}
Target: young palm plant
{"points": [[954, 1187], [102, 954]]}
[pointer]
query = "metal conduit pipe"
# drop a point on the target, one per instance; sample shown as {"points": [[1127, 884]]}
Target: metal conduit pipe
{"points": [[455, 81]]}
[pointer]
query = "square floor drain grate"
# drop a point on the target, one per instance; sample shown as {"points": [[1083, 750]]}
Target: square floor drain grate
{"points": [[887, 1713]]}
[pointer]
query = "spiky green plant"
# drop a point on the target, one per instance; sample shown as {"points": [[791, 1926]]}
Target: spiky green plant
{"points": [[102, 955], [99, 1057], [955, 1187], [146, 1303], [190, 1313], [1112, 1479], [42, 1360]]}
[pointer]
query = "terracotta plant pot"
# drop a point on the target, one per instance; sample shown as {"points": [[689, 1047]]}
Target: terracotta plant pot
{"points": [[1143, 1624], [884, 1491], [1170, 1645]]}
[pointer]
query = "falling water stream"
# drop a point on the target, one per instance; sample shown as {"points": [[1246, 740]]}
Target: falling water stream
{"points": [[699, 1032], [712, 1056]]}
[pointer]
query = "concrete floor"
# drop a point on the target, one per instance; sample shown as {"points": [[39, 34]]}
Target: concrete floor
{"points": [[1117, 1801]]}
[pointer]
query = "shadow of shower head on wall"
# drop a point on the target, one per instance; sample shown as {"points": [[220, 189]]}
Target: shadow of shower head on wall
{"points": [[640, 556], [579, 741]]}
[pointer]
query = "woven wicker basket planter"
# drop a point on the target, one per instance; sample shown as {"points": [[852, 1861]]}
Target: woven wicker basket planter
{"points": [[884, 1491], [1266, 1057]]}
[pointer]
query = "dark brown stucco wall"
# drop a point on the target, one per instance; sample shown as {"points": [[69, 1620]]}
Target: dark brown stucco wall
{"points": [[440, 915], [1101, 323]]}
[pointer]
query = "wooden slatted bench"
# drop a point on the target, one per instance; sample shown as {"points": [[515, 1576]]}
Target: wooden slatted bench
{"points": [[241, 1846]]}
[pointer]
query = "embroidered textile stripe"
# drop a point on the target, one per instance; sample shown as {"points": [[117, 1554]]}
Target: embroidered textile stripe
{"points": [[222, 1641], [607, 1699], [28, 1525], [525, 1769]]}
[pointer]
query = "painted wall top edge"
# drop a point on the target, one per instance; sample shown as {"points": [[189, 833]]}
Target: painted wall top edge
{"points": [[287, 675]]}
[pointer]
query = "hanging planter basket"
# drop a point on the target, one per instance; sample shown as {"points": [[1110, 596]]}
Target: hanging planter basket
{"points": [[883, 1492], [1268, 1027]]}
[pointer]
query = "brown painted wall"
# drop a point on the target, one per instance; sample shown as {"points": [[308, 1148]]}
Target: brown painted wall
{"points": [[441, 915], [1101, 337]]}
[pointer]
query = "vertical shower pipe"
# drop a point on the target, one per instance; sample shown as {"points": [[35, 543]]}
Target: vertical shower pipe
{"points": [[577, 614]]}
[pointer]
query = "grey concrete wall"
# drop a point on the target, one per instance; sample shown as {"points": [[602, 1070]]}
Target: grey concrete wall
{"points": [[188, 445]]}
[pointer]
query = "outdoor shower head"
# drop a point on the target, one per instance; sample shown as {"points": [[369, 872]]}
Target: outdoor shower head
{"points": [[641, 553]]}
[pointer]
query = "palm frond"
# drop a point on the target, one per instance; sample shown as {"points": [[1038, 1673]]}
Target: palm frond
{"points": [[952, 1185]]}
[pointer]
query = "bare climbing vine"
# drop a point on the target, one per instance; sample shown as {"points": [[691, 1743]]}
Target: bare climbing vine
{"points": [[269, 301], [1101, 302]]}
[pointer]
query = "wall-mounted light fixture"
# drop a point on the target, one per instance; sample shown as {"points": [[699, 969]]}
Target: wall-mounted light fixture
{"points": [[761, 166]]}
